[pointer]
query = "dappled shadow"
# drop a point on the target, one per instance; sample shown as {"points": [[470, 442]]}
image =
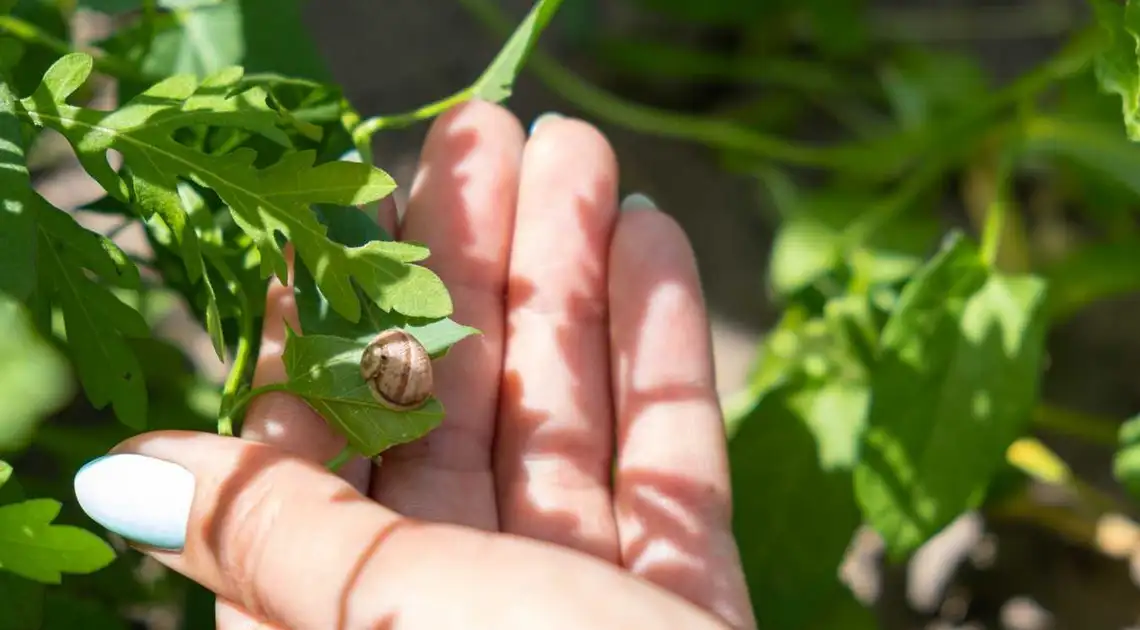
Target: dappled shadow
{"points": [[234, 530]]}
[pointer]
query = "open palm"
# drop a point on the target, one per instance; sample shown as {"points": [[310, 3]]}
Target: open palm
{"points": [[585, 415]]}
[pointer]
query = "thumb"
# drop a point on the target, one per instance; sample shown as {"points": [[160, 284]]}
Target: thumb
{"points": [[280, 536], [297, 546]]}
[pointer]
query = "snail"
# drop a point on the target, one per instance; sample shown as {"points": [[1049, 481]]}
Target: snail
{"points": [[397, 369]]}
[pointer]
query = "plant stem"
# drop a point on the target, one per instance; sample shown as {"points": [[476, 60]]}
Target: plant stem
{"points": [[1094, 429], [721, 134], [340, 459], [31, 34], [235, 410], [237, 376], [364, 131], [996, 211]]}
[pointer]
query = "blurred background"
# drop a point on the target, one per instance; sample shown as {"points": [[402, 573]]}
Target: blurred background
{"points": [[785, 75]]}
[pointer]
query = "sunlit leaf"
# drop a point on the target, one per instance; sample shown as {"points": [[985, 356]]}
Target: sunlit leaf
{"points": [[17, 220], [325, 371], [495, 84], [955, 382], [265, 202]]}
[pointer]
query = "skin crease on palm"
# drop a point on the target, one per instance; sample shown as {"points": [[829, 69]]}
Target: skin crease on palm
{"points": [[580, 479]]}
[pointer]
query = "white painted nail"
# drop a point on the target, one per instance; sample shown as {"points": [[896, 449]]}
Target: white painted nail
{"points": [[638, 201], [142, 499]]}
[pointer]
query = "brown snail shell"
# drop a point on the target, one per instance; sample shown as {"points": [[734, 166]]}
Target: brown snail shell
{"points": [[397, 369]]}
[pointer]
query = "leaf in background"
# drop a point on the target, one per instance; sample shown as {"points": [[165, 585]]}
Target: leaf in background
{"points": [[37, 57], [1097, 146], [264, 203], [30, 546], [1092, 273], [276, 40], [352, 227], [955, 383], [325, 371], [812, 243], [207, 38], [17, 221], [805, 249], [925, 87], [110, 7], [794, 508], [495, 84], [838, 26], [34, 379], [1117, 67], [1126, 465], [95, 319]]}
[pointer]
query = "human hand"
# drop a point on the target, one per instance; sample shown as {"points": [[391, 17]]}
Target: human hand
{"points": [[580, 478]]}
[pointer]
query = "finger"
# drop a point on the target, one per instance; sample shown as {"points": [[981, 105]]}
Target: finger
{"points": [[556, 423], [282, 419], [278, 536], [462, 207], [672, 491], [388, 216], [231, 617]]}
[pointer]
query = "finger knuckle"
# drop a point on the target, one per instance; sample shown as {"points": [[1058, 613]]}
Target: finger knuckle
{"points": [[248, 535]]}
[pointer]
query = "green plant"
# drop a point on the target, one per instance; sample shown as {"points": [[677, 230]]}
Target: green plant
{"points": [[232, 146], [901, 387]]}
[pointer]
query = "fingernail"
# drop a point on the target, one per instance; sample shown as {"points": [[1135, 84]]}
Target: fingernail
{"points": [[142, 499], [638, 201], [547, 117]]}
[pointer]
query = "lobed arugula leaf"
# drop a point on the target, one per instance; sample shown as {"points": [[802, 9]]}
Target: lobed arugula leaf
{"points": [[955, 383], [332, 346], [32, 547], [95, 320], [34, 379], [352, 227], [325, 371], [263, 202], [17, 223]]}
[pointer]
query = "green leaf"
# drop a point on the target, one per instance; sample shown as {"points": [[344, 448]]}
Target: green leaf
{"points": [[206, 39], [95, 319], [110, 7], [495, 84], [955, 382], [805, 249], [1126, 465], [277, 40], [5, 472], [352, 227], [794, 508], [30, 546], [263, 202], [17, 223], [1117, 68], [1097, 146], [34, 379], [1091, 273], [325, 371]]}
